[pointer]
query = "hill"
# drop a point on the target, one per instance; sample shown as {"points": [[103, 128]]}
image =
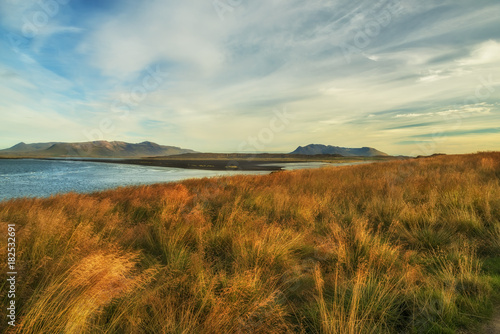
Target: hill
{"points": [[94, 149], [314, 149], [407, 246], [23, 147]]}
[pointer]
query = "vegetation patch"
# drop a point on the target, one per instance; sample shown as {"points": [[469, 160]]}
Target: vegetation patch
{"points": [[395, 247]]}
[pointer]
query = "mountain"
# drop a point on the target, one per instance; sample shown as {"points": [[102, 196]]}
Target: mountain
{"points": [[94, 149], [315, 149], [23, 147]]}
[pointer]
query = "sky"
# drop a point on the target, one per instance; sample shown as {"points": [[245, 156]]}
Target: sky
{"points": [[411, 77]]}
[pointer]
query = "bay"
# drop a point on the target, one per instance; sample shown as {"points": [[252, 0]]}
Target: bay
{"points": [[43, 178]]}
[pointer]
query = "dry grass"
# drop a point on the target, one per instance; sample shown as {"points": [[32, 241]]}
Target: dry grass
{"points": [[397, 247]]}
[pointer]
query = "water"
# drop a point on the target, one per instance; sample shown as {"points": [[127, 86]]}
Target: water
{"points": [[42, 178], [313, 165]]}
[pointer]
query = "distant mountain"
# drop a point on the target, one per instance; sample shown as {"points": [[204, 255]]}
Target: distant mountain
{"points": [[94, 149], [22, 147], [315, 149]]}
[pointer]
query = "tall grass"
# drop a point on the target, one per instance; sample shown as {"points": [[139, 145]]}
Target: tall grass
{"points": [[396, 247]]}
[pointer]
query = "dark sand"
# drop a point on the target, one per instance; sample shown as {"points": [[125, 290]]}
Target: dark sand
{"points": [[220, 161], [219, 164]]}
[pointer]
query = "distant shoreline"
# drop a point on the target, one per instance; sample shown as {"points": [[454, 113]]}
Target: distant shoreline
{"points": [[217, 165], [218, 162]]}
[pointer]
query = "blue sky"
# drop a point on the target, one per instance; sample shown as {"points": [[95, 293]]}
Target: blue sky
{"points": [[403, 76]]}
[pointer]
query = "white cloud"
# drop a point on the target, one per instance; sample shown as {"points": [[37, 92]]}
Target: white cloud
{"points": [[180, 33], [413, 115], [478, 108], [433, 75], [483, 54]]}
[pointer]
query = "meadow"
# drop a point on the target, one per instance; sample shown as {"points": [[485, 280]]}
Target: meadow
{"points": [[407, 246]]}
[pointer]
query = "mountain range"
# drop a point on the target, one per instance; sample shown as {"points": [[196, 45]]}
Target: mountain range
{"points": [[95, 149], [119, 149], [315, 149]]}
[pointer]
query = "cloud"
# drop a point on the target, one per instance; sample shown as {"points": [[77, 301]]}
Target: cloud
{"points": [[480, 131], [226, 76], [178, 33], [485, 53], [413, 115], [34, 19]]}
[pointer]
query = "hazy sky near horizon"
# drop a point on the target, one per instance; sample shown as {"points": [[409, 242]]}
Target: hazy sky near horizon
{"points": [[403, 76]]}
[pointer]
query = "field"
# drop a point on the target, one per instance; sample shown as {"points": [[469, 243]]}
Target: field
{"points": [[407, 246]]}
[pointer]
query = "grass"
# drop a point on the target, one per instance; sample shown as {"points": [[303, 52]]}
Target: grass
{"points": [[395, 247]]}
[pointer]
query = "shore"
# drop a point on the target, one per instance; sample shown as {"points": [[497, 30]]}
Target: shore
{"points": [[220, 162], [218, 165]]}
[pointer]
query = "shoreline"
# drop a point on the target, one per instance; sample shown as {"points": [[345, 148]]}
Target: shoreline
{"points": [[215, 165], [219, 162]]}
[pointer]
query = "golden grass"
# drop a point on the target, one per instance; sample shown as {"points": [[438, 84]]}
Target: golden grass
{"points": [[396, 247]]}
